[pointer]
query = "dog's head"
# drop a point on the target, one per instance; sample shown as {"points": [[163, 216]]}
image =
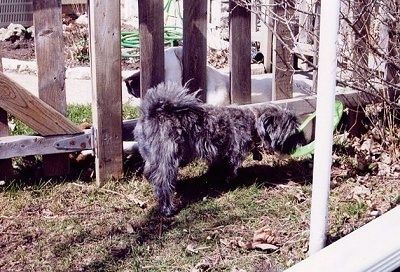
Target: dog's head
{"points": [[278, 130], [172, 70]]}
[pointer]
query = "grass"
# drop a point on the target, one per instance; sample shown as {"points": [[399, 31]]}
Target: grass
{"points": [[77, 113], [77, 226], [72, 225]]}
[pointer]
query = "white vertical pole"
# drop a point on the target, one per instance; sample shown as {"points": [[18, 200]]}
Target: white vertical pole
{"points": [[324, 131]]}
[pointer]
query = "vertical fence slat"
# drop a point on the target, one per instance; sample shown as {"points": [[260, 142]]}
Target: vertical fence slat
{"points": [[240, 54], [51, 72], [5, 165], [361, 22], [151, 28], [195, 44], [282, 87], [105, 58]]}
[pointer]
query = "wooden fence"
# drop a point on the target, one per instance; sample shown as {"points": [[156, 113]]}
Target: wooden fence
{"points": [[45, 114]]}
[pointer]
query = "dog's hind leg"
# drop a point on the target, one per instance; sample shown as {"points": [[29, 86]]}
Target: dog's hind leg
{"points": [[163, 176]]}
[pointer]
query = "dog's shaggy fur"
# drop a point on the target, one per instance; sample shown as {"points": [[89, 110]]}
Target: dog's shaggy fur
{"points": [[175, 128]]}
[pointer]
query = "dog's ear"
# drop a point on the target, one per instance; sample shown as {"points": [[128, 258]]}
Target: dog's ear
{"points": [[133, 84]]}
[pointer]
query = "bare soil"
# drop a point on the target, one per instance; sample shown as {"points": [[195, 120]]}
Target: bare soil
{"points": [[76, 46]]}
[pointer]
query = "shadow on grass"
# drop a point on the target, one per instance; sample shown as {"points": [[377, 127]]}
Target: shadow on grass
{"points": [[151, 227], [154, 228], [210, 185]]}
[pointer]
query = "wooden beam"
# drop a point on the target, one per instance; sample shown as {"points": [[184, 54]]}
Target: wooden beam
{"points": [[49, 45], [24, 145], [195, 45], [240, 54], [105, 58], [282, 87], [151, 31], [32, 111]]}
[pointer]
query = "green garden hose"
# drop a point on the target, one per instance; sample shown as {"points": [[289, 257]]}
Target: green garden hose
{"points": [[171, 35]]}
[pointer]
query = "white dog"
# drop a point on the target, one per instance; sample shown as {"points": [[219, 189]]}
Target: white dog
{"points": [[218, 83]]}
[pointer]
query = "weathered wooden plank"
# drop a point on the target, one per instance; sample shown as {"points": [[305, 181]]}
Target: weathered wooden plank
{"points": [[360, 51], [316, 44], [151, 29], [105, 57], [32, 111], [240, 54], [282, 87], [24, 145], [49, 48], [307, 104], [195, 45], [5, 165], [393, 49], [49, 44]]}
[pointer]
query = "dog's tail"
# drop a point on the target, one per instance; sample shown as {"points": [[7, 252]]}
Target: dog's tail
{"points": [[170, 98]]}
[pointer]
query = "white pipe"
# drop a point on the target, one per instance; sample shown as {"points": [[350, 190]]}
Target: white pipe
{"points": [[323, 130], [374, 247]]}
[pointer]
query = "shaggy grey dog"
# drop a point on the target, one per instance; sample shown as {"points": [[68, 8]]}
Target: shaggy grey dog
{"points": [[176, 128]]}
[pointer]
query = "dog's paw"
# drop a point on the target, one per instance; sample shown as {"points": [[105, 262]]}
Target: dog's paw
{"points": [[168, 211]]}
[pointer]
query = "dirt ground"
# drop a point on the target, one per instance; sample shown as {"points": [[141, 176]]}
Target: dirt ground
{"points": [[76, 46]]}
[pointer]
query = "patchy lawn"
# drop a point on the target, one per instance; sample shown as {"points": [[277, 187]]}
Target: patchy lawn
{"points": [[257, 222]]}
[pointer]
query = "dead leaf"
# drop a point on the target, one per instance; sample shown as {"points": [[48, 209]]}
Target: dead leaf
{"points": [[263, 234], [240, 242], [140, 203], [129, 228], [264, 239], [191, 249], [47, 213], [361, 191], [264, 247]]}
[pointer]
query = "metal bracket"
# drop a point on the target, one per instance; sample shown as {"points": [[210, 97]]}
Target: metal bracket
{"points": [[79, 142]]}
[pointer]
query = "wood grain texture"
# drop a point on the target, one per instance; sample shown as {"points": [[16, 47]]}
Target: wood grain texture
{"points": [[23, 145], [240, 54], [32, 111], [49, 44], [195, 45], [105, 57], [282, 87], [151, 29]]}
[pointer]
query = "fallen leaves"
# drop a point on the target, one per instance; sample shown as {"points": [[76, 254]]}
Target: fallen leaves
{"points": [[263, 239]]}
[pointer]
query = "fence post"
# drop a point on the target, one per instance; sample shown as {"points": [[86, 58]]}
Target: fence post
{"points": [[282, 84], [105, 59], [49, 44], [392, 73], [240, 54], [151, 28], [360, 52], [195, 44]]}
